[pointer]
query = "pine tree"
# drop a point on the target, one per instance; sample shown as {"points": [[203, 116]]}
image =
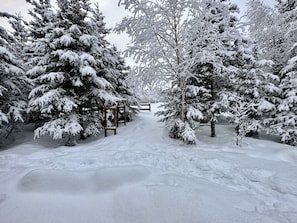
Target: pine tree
{"points": [[284, 6], [215, 44], [116, 70], [20, 33], [120, 71], [12, 83], [285, 122], [256, 89], [71, 78], [42, 23], [20, 47]]}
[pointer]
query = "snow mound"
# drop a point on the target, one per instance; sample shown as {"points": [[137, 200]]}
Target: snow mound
{"points": [[288, 155], [70, 182], [112, 178]]}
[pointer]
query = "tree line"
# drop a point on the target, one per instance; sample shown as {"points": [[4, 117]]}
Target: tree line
{"points": [[58, 67], [58, 70], [209, 63]]}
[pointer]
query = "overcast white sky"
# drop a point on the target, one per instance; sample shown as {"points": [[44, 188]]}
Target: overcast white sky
{"points": [[113, 14]]}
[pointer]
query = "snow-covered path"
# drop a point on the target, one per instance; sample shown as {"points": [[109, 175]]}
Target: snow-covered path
{"points": [[140, 175]]}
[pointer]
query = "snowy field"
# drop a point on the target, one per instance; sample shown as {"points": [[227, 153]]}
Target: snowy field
{"points": [[142, 176]]}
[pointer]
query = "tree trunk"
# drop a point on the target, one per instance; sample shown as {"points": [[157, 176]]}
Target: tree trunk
{"points": [[81, 122], [213, 120], [213, 127], [70, 141], [183, 100]]}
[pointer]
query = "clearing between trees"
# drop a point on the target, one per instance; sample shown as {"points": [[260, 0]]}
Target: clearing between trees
{"points": [[141, 175]]}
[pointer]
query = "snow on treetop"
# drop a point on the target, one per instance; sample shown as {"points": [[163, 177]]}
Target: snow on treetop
{"points": [[36, 70], [38, 90], [5, 54], [195, 113], [58, 31], [264, 62], [87, 71], [50, 97], [14, 70], [66, 40], [87, 57], [294, 46], [265, 106], [109, 99], [59, 128], [53, 77], [87, 40], [77, 82], [75, 29], [69, 56], [2, 89], [102, 83], [15, 111], [292, 63], [66, 104], [3, 117]]}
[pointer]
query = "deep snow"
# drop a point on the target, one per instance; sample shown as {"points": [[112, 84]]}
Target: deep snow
{"points": [[140, 175]]}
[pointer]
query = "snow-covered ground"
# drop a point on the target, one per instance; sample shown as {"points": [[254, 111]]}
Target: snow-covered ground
{"points": [[140, 175]]}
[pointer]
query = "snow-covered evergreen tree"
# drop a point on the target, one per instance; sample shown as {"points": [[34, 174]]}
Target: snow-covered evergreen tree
{"points": [[43, 22], [213, 53], [278, 43], [20, 33], [72, 76], [120, 72], [20, 49], [12, 83], [284, 6], [285, 121], [256, 89], [266, 27], [262, 27], [116, 70]]}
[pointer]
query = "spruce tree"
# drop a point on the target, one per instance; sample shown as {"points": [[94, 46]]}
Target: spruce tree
{"points": [[71, 82], [120, 82], [116, 70], [285, 121], [256, 90], [215, 44], [13, 83]]}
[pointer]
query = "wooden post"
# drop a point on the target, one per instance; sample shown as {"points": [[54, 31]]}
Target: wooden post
{"points": [[121, 111], [145, 106], [115, 120]]}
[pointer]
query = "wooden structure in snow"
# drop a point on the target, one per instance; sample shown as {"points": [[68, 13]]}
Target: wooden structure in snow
{"points": [[110, 119], [145, 106], [121, 112], [114, 115]]}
